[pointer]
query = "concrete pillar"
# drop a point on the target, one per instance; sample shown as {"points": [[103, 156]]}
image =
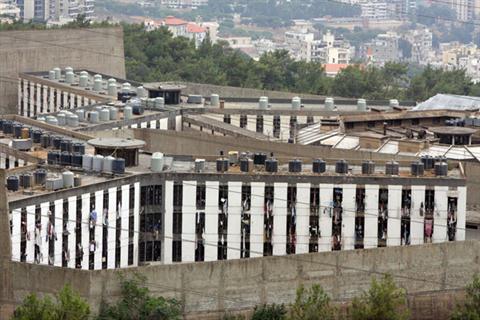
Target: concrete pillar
{"points": [[7, 303], [303, 218], [211, 220], [85, 229], [112, 231], [279, 236], [348, 218], [51, 104], [30, 249], [124, 214], [44, 208], [440, 215], [371, 216], [57, 246], [234, 219], [143, 125], [257, 218], [19, 97], [394, 225], [38, 103], [99, 230], [16, 233], [235, 120], [153, 124], [461, 213], [136, 222], [65, 104], [26, 97], [164, 124], [72, 101], [31, 107], [325, 219], [188, 220], [45, 97], [58, 104], [71, 225], [268, 125], [79, 101], [417, 220], [178, 123], [168, 223]]}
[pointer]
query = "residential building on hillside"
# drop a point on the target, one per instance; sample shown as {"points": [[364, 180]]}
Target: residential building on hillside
{"points": [[9, 9], [184, 3], [55, 10], [383, 48], [374, 10], [421, 41]]}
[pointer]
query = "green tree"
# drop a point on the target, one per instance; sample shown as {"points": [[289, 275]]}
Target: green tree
{"points": [[269, 312], [470, 310], [349, 82], [136, 302], [383, 301], [68, 305], [311, 304]]}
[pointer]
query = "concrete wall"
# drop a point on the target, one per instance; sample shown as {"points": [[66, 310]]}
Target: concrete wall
{"points": [[202, 144], [98, 50]]}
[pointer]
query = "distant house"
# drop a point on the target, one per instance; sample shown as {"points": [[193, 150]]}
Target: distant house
{"points": [[179, 28], [332, 69]]}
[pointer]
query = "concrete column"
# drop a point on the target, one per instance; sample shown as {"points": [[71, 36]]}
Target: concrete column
{"points": [[394, 226], [284, 127], [279, 237], [72, 101], [7, 303], [30, 249], [31, 108], [19, 97], [136, 222], [416, 220], [188, 220], [153, 124], [51, 104], [44, 207], [371, 216], [325, 219], [461, 213], [257, 208], [235, 120], [72, 217], [303, 218], [251, 123], [2, 161], [85, 229], [79, 101], [45, 96], [99, 230], [168, 223], [26, 97], [211, 220], [124, 214], [302, 119], [178, 123], [348, 216], [440, 215], [164, 124], [59, 100], [112, 231], [143, 125], [234, 219], [16, 233], [65, 104], [57, 246], [268, 125], [38, 103]]}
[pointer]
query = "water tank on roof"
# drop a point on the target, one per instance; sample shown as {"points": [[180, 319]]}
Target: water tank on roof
{"points": [[118, 166], [51, 75], [108, 164], [417, 168], [61, 119], [295, 166], [428, 162], [25, 180], [195, 99], [97, 77], [72, 120], [222, 165], [263, 102], [441, 169], [141, 92], [137, 109], [368, 167], [126, 87], [271, 165], [87, 162], [215, 100], [45, 140], [77, 160], [78, 147], [8, 127], [392, 168], [80, 114], [156, 162], [127, 112], [56, 142], [66, 158], [246, 165], [77, 181], [25, 133], [58, 73], [233, 157], [361, 105], [83, 81], [37, 136], [69, 77], [67, 177], [17, 130], [53, 157], [66, 145], [159, 102], [68, 69], [13, 183], [40, 175], [112, 89], [296, 103], [199, 165], [94, 116], [319, 166], [54, 183], [97, 163], [341, 167], [259, 158], [52, 121], [97, 85], [113, 113], [329, 104], [104, 115]]}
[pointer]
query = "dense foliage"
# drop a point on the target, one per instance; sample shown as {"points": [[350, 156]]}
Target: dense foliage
{"points": [[311, 304], [470, 310], [67, 305]]}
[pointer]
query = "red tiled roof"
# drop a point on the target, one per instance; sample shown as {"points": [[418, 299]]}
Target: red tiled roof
{"points": [[172, 21], [334, 67], [195, 28]]}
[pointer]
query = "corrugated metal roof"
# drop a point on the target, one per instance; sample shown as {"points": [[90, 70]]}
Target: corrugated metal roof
{"points": [[449, 101], [348, 142]]}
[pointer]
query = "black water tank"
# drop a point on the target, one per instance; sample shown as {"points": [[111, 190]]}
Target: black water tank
{"points": [[53, 157], [441, 169], [118, 166], [25, 180], [392, 168], [137, 109], [2, 121], [17, 130], [368, 167], [222, 165], [319, 166], [13, 183], [8, 127], [259, 159], [428, 162], [66, 158], [37, 136], [40, 176], [57, 140], [271, 165], [45, 140], [245, 165], [66, 145], [417, 168], [341, 167], [77, 160], [78, 147], [295, 166]]}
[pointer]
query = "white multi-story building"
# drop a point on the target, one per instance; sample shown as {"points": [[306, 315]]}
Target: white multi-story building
{"points": [[9, 10], [382, 49], [374, 10], [57, 11], [465, 9], [422, 46], [295, 40], [329, 50], [184, 3]]}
